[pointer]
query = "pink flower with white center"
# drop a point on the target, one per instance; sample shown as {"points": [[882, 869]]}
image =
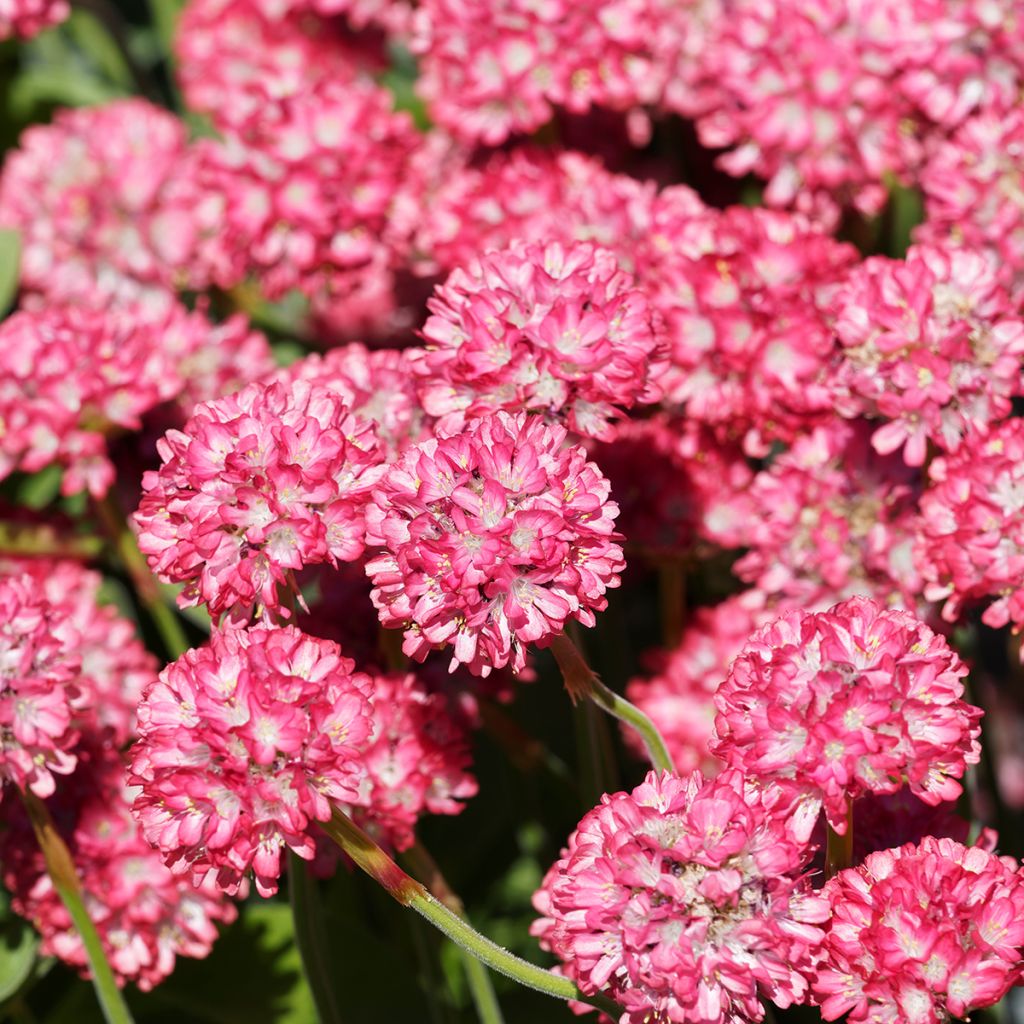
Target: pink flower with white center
{"points": [[931, 344], [39, 672], [853, 700], [685, 901], [26, 18], [744, 294], [971, 543], [243, 746], [833, 517], [89, 194], [553, 329], [146, 917], [256, 486], [492, 539], [921, 934]]}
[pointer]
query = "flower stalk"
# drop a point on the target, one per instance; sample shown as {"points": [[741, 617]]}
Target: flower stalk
{"points": [[839, 848]]}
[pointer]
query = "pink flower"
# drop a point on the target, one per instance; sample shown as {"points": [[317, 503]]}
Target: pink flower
{"points": [[921, 934], [25, 18], [256, 486], [971, 544], [932, 345], [853, 700], [243, 746], [684, 901], [492, 539], [554, 329]]}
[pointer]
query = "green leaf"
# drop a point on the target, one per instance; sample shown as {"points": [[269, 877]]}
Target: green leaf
{"points": [[18, 944], [66, 86], [92, 36], [39, 489], [10, 267]]}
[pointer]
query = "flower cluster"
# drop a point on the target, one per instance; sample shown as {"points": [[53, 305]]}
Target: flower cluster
{"points": [[921, 933], [243, 745], [554, 329], [683, 900], [492, 539], [24, 18], [853, 700]]}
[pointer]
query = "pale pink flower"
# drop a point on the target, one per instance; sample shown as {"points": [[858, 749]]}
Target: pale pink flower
{"points": [[685, 901], [853, 700], [243, 746], [491, 540], [25, 18]]}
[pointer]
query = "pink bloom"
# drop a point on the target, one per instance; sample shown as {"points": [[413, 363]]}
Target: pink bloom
{"points": [[853, 700], [932, 346], [684, 901], [554, 329], [492, 539], [255, 487], [25, 18], [921, 934], [243, 746]]}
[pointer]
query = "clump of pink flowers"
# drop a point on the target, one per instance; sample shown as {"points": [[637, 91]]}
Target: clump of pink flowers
{"points": [[853, 700], [24, 18], [491, 540], [686, 900]]}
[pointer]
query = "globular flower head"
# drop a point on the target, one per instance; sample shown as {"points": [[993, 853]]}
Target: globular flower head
{"points": [[243, 745], [256, 486], [684, 901], [25, 18], [492, 539], [921, 934], [853, 700], [553, 329]]}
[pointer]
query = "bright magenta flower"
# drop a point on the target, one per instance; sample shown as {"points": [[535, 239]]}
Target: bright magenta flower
{"points": [[554, 329], [243, 746], [853, 700], [256, 486], [685, 902], [25, 18], [492, 540], [921, 935]]}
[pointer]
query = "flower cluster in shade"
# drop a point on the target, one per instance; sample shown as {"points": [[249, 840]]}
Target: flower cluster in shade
{"points": [[490, 540], [920, 934], [852, 700], [932, 346], [552, 329], [25, 18], [685, 900], [243, 745], [971, 540], [256, 486], [70, 375], [145, 916]]}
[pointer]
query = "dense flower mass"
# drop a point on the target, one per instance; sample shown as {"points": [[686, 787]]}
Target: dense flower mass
{"points": [[554, 329], [921, 934], [243, 744], [492, 539], [24, 18], [971, 544], [256, 486], [931, 344], [853, 700], [684, 901]]}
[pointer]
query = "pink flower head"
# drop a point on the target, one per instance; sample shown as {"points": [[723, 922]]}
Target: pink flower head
{"points": [[88, 195], [853, 700], [971, 544], [243, 745], [554, 329], [492, 539], [256, 486], [146, 917], [921, 934], [932, 345], [684, 901], [25, 18]]}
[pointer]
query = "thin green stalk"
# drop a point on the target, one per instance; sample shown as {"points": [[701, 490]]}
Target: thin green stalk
{"points": [[368, 856], [488, 1010], [839, 848], [61, 869], [311, 939], [582, 681]]}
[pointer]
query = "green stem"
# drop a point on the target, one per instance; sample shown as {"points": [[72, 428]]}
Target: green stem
{"points": [[147, 587], [582, 681], [839, 848], [368, 856], [488, 1009], [311, 938], [61, 869]]}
